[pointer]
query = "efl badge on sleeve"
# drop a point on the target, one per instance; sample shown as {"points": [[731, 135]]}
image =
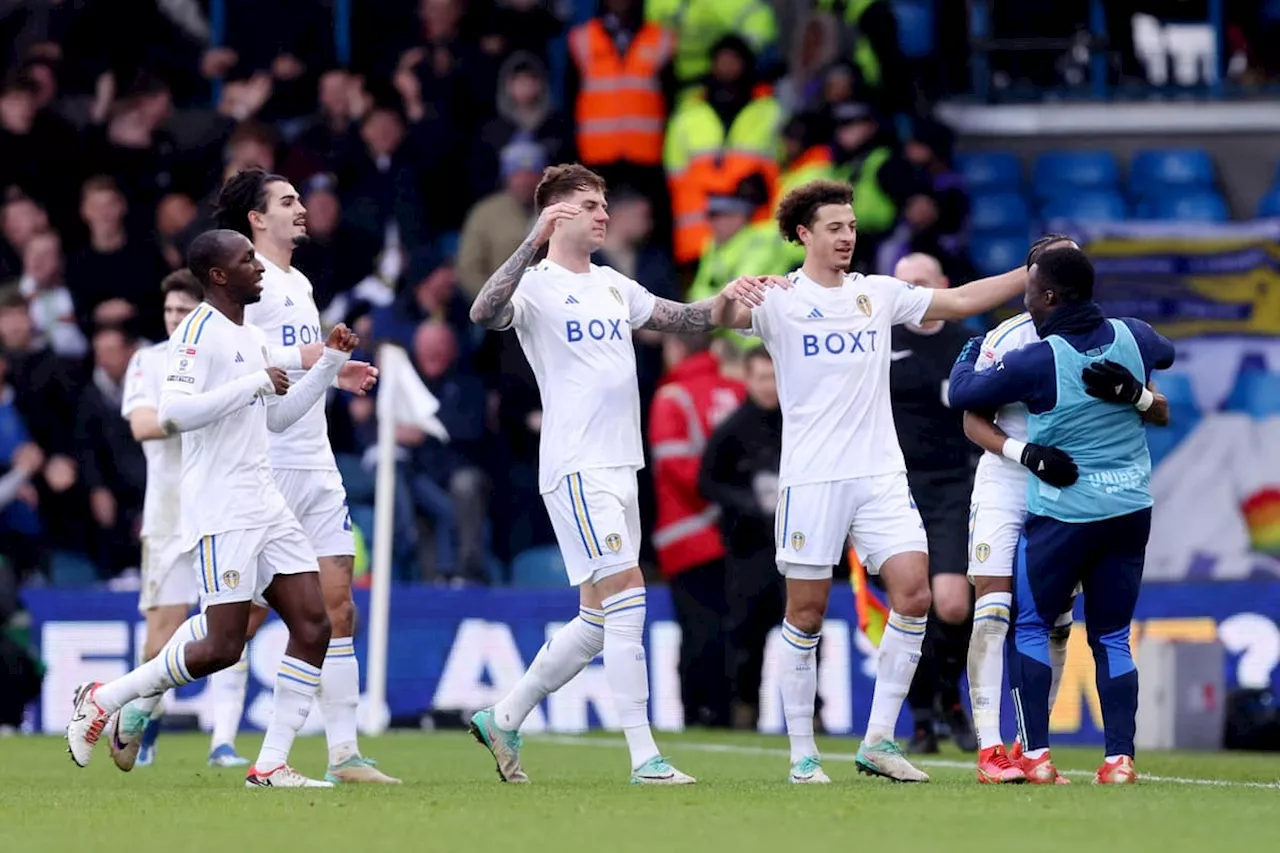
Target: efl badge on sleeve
{"points": [[864, 304]]}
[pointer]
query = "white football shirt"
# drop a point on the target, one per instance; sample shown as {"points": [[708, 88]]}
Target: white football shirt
{"points": [[288, 315], [160, 517], [830, 348], [226, 476], [999, 481], [575, 329]]}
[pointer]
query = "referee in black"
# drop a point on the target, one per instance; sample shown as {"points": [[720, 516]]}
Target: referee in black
{"points": [[940, 466]]}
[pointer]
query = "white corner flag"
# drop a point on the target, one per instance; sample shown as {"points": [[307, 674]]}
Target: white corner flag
{"points": [[402, 400]]}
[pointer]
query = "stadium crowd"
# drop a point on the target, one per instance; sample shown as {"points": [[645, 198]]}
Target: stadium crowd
{"points": [[417, 167]]}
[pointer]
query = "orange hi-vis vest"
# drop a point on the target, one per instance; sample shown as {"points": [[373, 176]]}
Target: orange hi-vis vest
{"points": [[621, 114]]}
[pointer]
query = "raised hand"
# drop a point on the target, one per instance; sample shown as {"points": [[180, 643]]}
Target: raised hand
{"points": [[279, 380], [747, 289], [358, 377], [546, 224], [342, 339]]}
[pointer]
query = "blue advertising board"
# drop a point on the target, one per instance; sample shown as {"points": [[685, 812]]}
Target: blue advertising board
{"points": [[462, 649]]}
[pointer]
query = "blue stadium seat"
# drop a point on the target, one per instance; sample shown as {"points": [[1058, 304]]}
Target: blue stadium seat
{"points": [[993, 254], [1256, 393], [67, 568], [1001, 212], [538, 567], [1156, 171], [990, 171], [1193, 206], [1269, 204], [1087, 206], [916, 33], [1058, 173], [1184, 414]]}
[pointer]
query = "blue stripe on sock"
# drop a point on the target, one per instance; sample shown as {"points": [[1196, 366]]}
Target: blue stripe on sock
{"points": [[288, 677]]}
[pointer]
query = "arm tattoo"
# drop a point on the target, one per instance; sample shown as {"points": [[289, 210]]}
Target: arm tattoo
{"points": [[492, 307], [680, 317]]}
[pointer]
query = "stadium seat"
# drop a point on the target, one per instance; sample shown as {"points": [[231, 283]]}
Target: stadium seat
{"points": [[1157, 171], [1059, 173], [993, 254], [1195, 206], [916, 33], [1184, 414], [1086, 206], [1269, 204], [1000, 212], [1256, 393], [67, 568], [990, 171], [538, 567]]}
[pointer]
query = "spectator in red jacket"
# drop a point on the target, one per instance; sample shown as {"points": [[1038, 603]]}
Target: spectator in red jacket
{"points": [[692, 398]]}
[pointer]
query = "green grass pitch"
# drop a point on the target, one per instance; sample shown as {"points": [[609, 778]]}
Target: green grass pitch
{"points": [[580, 799]]}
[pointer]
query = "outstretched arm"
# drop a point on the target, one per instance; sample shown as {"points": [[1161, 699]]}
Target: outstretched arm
{"points": [[181, 412], [730, 309], [976, 297], [681, 317], [492, 307]]}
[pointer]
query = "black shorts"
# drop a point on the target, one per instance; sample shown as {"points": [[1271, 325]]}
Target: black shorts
{"points": [[943, 500]]}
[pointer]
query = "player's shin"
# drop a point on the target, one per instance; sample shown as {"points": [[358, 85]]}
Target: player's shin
{"points": [[340, 699], [899, 656], [166, 670], [228, 687], [626, 670], [296, 684], [1117, 689], [562, 657], [986, 664], [1029, 681], [799, 683]]}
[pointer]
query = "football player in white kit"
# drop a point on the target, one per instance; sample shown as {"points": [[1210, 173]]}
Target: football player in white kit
{"points": [[169, 588], [996, 513], [267, 209], [842, 469], [246, 547], [575, 322]]}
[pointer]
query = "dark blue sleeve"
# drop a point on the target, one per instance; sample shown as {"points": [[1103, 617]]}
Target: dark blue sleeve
{"points": [[1156, 349], [1026, 376]]}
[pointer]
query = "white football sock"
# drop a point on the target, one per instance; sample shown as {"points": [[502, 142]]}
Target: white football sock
{"points": [[296, 685], [899, 657], [1059, 639], [150, 706], [165, 670], [562, 657], [228, 687], [340, 699], [799, 683], [986, 664], [627, 672]]}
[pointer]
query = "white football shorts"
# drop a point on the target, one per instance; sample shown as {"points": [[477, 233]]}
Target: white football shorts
{"points": [[993, 539], [815, 520], [239, 565], [596, 517], [319, 502], [167, 579]]}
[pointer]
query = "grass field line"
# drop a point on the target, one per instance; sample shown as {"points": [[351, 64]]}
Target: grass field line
{"points": [[738, 749]]}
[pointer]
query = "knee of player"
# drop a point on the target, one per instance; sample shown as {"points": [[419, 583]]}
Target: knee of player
{"points": [[914, 602], [1112, 644], [952, 609], [341, 616], [224, 651], [313, 632], [805, 616]]}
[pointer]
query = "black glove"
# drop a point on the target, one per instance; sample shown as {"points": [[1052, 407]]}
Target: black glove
{"points": [[1050, 464], [1112, 382]]}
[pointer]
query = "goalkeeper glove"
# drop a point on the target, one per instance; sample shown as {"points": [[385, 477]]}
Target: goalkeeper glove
{"points": [[1050, 464]]}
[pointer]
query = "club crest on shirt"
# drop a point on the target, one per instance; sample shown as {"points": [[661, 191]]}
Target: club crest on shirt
{"points": [[614, 541], [617, 294], [231, 579], [982, 551], [797, 540], [864, 304]]}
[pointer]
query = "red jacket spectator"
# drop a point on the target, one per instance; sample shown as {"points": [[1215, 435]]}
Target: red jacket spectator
{"points": [[692, 398]]}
